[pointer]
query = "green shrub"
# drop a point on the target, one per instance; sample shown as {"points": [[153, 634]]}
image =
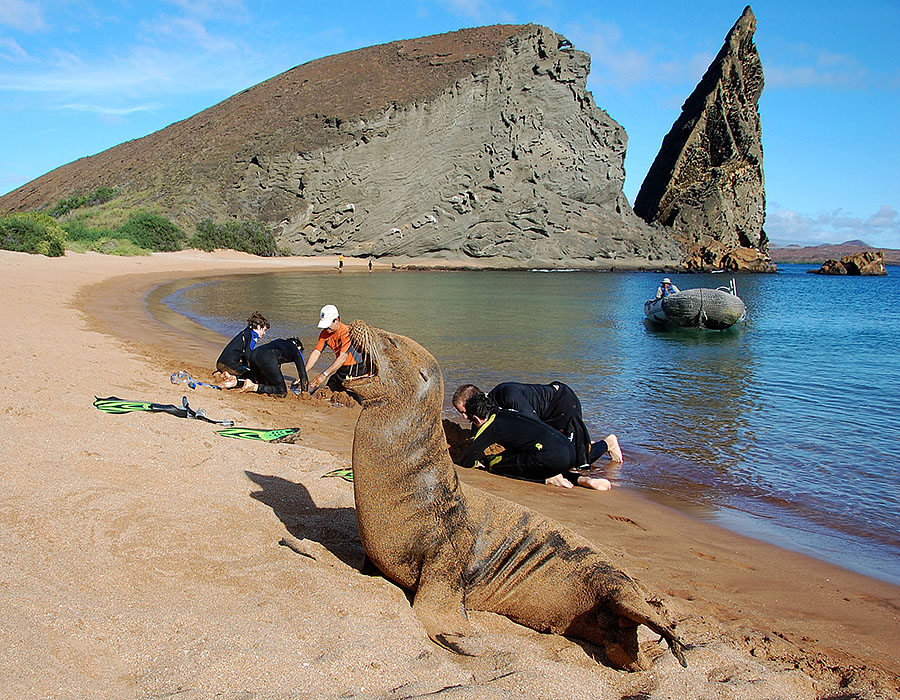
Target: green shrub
{"points": [[32, 232], [117, 246], [77, 231], [153, 232], [252, 237], [99, 196]]}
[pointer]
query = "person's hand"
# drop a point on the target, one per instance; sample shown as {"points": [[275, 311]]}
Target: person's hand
{"points": [[319, 380]]}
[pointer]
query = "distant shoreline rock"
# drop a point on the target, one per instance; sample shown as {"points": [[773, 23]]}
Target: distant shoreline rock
{"points": [[818, 254], [868, 264]]}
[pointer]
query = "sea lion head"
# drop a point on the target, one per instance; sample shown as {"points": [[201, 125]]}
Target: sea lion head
{"points": [[393, 368]]}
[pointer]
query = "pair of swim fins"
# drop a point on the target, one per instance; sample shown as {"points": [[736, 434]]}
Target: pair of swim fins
{"points": [[115, 405]]}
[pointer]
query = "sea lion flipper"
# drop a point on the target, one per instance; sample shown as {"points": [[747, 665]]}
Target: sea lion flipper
{"points": [[441, 610]]}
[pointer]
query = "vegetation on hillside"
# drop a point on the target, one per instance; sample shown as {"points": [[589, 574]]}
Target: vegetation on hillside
{"points": [[99, 196], [252, 237], [80, 223], [32, 232]]}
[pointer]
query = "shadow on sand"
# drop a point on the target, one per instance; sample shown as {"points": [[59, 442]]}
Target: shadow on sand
{"points": [[334, 528]]}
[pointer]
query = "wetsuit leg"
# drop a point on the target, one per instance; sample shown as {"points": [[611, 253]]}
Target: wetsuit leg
{"points": [[598, 449], [269, 375], [565, 415], [535, 466]]}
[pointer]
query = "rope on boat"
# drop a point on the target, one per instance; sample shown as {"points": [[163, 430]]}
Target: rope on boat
{"points": [[702, 317]]}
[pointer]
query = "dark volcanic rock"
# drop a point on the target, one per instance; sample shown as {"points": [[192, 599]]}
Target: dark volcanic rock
{"points": [[870, 263], [707, 181], [830, 251], [482, 144]]}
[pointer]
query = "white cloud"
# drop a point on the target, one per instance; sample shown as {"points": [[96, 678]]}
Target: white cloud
{"points": [[482, 11], [211, 8], [785, 227], [109, 111], [825, 69], [144, 71], [11, 51], [189, 31], [616, 64], [21, 15]]}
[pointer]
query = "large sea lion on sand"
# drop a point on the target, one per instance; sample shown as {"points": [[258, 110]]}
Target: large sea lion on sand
{"points": [[460, 548]]}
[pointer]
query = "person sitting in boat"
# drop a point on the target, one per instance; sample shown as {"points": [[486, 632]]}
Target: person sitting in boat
{"points": [[666, 288]]}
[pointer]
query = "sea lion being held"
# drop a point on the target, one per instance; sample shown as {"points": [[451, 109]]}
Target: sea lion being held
{"points": [[460, 548]]}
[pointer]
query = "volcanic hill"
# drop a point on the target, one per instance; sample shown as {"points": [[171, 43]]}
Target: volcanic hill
{"points": [[482, 144]]}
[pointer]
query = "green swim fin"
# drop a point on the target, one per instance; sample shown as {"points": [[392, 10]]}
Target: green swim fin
{"points": [[115, 405], [345, 474], [289, 435]]}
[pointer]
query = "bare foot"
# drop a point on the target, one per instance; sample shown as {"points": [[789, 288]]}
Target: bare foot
{"points": [[615, 452], [593, 482], [560, 480], [248, 386]]}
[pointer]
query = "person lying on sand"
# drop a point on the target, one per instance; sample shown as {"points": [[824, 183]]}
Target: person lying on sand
{"points": [[555, 404], [532, 450]]}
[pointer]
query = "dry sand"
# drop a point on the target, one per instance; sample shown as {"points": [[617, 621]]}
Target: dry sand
{"points": [[141, 557]]}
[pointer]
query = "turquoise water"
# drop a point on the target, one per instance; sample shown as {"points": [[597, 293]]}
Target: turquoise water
{"points": [[785, 429]]}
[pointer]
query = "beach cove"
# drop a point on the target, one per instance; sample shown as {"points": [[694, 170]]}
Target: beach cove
{"points": [[141, 552]]}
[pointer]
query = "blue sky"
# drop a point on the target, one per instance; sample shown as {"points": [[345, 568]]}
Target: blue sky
{"points": [[80, 76]]}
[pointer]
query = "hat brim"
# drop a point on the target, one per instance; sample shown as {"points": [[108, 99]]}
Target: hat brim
{"points": [[324, 323]]}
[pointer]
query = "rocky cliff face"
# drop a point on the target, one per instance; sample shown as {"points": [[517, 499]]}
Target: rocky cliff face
{"points": [[707, 181], [480, 144]]}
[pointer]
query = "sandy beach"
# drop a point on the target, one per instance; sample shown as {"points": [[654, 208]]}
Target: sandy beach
{"points": [[141, 553]]}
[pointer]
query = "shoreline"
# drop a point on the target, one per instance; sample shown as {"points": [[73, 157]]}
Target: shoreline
{"points": [[737, 600], [820, 534]]}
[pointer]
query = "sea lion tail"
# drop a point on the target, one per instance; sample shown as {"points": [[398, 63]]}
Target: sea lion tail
{"points": [[655, 623]]}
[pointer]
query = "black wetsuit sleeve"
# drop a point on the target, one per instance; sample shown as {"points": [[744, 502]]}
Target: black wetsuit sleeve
{"points": [[475, 451], [514, 396], [297, 358]]}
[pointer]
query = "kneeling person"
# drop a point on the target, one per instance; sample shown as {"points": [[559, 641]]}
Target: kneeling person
{"points": [[555, 404], [532, 450], [265, 367]]}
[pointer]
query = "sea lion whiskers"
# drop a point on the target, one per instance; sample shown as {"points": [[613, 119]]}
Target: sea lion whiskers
{"points": [[361, 338]]}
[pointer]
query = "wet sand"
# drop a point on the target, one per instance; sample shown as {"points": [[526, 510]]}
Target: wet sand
{"points": [[141, 552]]}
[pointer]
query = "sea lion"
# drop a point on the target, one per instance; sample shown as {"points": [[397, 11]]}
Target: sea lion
{"points": [[461, 548]]}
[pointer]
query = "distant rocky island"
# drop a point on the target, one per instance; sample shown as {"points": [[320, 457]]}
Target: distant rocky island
{"points": [[818, 254], [480, 145]]}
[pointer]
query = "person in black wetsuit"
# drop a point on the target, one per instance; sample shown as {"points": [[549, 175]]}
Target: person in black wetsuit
{"points": [[233, 365], [554, 404], [532, 450], [265, 367]]}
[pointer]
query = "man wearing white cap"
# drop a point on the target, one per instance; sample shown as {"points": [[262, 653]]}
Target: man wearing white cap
{"points": [[335, 335], [666, 288]]}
